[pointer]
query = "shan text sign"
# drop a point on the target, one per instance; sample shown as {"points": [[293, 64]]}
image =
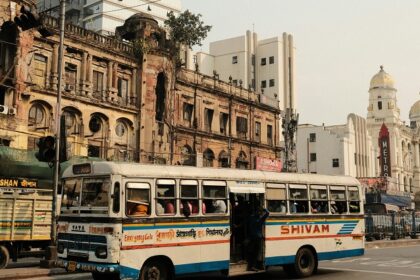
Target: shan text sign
{"points": [[17, 183]]}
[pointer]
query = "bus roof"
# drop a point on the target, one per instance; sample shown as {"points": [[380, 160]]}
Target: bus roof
{"points": [[187, 172]]}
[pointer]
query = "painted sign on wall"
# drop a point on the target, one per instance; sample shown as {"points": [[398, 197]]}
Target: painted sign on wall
{"points": [[384, 148]]}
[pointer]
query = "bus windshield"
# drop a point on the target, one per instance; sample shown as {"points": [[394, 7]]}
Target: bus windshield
{"points": [[86, 192]]}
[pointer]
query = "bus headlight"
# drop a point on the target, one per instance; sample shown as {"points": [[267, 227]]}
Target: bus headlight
{"points": [[60, 247], [101, 252]]}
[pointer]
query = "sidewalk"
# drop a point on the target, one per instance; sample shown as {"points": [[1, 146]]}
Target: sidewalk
{"points": [[385, 243], [30, 268]]}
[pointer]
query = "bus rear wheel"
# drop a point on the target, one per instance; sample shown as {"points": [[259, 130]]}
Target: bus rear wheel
{"points": [[4, 257], [305, 264], [156, 270]]}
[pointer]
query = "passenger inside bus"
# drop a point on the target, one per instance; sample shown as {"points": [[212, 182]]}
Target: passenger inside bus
{"points": [[219, 205], [138, 208]]}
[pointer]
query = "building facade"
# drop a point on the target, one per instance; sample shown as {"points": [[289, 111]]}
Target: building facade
{"points": [[380, 146], [124, 103], [266, 66], [337, 150], [104, 16]]}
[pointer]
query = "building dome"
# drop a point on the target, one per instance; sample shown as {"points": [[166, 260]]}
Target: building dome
{"points": [[382, 80], [139, 17], [415, 111]]}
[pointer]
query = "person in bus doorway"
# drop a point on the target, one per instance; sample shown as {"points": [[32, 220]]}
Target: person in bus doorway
{"points": [[238, 229], [256, 222]]}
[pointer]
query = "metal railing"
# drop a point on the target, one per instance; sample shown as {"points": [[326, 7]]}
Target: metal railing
{"points": [[392, 226]]}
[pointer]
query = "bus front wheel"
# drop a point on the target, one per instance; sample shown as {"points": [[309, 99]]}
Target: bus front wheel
{"points": [[305, 264], [156, 270], [4, 257]]}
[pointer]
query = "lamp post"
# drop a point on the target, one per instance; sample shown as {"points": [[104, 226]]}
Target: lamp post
{"points": [[51, 254]]}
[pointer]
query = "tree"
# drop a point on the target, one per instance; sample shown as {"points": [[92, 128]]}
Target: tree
{"points": [[186, 29]]}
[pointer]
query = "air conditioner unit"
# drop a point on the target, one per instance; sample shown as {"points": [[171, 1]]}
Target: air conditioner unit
{"points": [[69, 87], [4, 109], [12, 111]]}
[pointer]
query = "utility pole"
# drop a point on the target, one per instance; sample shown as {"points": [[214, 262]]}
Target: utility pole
{"points": [[51, 255], [289, 126]]}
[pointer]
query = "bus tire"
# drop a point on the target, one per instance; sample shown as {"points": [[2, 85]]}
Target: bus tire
{"points": [[306, 263], [156, 270], [4, 257]]}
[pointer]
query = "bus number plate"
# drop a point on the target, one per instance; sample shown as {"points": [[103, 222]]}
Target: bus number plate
{"points": [[71, 266]]}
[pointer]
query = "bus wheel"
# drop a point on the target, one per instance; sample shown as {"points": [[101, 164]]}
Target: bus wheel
{"points": [[4, 257], [305, 263], [156, 270]]}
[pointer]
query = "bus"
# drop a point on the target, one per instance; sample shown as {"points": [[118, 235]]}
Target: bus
{"points": [[137, 221]]}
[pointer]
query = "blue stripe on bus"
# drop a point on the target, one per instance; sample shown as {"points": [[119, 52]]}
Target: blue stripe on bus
{"points": [[173, 226], [347, 228], [280, 260], [201, 267], [128, 273]]}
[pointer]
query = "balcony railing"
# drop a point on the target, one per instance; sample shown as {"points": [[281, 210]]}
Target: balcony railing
{"points": [[90, 37]]}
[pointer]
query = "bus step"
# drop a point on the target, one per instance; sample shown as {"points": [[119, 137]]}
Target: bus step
{"points": [[236, 269]]}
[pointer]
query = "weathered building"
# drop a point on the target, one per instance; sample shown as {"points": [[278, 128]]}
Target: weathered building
{"points": [[127, 101]]}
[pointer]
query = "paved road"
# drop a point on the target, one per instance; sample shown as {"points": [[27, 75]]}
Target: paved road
{"points": [[376, 264]]}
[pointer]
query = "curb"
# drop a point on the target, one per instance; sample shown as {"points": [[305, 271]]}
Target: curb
{"points": [[391, 243]]}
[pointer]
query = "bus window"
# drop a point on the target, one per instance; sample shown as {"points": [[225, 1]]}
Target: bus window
{"points": [[165, 193], [338, 200], [354, 200], [214, 197], [319, 199], [95, 192], [298, 197], [138, 199], [71, 193], [276, 198], [189, 197]]}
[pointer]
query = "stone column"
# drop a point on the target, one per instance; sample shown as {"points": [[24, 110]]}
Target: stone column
{"points": [[416, 154], [133, 95], [54, 68], [83, 74]]}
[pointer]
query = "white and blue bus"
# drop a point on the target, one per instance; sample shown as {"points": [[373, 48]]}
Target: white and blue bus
{"points": [[136, 221]]}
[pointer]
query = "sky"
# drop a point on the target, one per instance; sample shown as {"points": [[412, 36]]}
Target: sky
{"points": [[339, 47]]}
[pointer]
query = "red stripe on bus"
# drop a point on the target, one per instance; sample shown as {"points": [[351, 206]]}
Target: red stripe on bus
{"points": [[149, 246], [312, 236]]}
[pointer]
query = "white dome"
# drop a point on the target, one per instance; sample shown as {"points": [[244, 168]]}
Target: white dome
{"points": [[415, 111], [382, 80]]}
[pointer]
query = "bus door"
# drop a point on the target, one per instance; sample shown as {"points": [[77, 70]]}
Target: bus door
{"points": [[245, 198]]}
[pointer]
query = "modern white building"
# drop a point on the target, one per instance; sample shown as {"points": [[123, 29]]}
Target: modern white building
{"points": [[337, 150], [266, 66], [105, 15]]}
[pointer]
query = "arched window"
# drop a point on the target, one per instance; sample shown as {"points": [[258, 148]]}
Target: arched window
{"points": [[123, 150], [224, 159], [99, 137], [208, 157], [37, 116], [241, 161], [73, 120], [187, 156]]}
